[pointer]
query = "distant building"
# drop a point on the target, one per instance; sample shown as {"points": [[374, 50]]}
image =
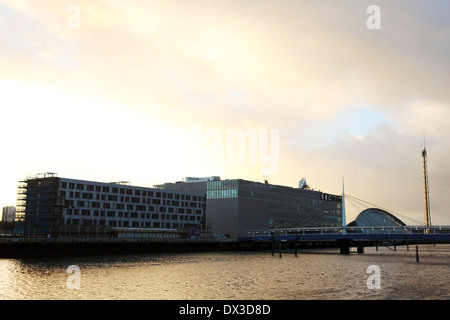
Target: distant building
{"points": [[233, 206], [8, 214], [59, 207], [374, 217]]}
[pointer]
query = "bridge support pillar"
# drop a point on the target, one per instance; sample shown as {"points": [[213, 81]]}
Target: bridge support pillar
{"points": [[295, 247], [360, 249], [344, 245]]}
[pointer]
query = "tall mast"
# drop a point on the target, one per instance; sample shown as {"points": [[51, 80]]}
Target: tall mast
{"points": [[343, 209], [425, 185]]}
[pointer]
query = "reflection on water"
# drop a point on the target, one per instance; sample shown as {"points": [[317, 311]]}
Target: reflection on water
{"points": [[316, 274]]}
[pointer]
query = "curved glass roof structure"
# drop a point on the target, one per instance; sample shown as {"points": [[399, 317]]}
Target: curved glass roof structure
{"points": [[374, 217]]}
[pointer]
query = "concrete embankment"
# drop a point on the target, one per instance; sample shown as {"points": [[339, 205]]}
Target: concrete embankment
{"points": [[40, 249]]}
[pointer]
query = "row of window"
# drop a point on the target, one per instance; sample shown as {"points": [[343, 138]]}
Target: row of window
{"points": [[113, 214], [129, 206], [125, 224], [128, 191], [111, 197]]}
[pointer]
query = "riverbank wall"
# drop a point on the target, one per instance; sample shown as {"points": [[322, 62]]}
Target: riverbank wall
{"points": [[43, 249]]}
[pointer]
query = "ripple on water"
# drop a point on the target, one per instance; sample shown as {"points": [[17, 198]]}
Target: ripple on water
{"points": [[234, 275]]}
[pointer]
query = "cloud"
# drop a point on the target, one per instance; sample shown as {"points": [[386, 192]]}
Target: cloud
{"points": [[346, 99]]}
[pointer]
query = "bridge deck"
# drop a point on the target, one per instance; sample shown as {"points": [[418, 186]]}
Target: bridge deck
{"points": [[413, 233]]}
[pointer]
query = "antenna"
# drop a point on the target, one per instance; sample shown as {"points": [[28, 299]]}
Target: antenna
{"points": [[302, 184], [424, 145]]}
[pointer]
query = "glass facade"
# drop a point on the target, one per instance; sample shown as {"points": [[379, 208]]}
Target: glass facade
{"points": [[224, 189], [374, 217], [233, 206]]}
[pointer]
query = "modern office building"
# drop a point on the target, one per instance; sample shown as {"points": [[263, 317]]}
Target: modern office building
{"points": [[233, 206], [51, 206]]}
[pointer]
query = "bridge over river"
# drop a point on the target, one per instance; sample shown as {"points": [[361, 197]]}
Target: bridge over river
{"points": [[347, 237]]}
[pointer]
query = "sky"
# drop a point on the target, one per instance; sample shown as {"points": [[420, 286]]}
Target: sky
{"points": [[156, 91]]}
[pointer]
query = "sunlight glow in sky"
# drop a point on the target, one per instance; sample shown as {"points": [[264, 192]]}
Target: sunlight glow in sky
{"points": [[118, 98]]}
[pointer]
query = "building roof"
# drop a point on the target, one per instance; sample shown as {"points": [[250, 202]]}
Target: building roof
{"points": [[376, 217]]}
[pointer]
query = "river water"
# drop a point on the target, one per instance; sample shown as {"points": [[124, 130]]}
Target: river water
{"points": [[320, 274]]}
